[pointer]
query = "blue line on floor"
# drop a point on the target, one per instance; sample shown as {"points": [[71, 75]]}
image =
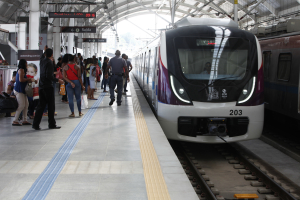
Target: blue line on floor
{"points": [[41, 187]]}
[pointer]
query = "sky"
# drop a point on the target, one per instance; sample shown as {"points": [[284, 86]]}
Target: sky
{"points": [[148, 23]]}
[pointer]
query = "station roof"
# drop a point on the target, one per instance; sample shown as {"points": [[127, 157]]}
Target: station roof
{"points": [[110, 12]]}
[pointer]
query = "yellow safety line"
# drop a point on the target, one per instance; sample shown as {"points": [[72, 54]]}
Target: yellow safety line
{"points": [[154, 179]]}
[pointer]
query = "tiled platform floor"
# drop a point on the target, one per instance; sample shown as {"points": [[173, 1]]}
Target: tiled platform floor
{"points": [[105, 164]]}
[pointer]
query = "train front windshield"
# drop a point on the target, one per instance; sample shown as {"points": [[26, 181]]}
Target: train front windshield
{"points": [[212, 58]]}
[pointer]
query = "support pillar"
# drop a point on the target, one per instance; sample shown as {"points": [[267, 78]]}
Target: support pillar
{"points": [[86, 47], [50, 35], [80, 35], [71, 37], [56, 38], [100, 47], [22, 35], [92, 45], [236, 11], [34, 25], [96, 46]]}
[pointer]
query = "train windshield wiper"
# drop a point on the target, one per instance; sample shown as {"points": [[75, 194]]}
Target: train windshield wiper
{"points": [[225, 78]]}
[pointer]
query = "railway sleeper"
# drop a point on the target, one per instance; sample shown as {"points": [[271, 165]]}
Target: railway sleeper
{"points": [[205, 177], [244, 171], [220, 197], [210, 183], [215, 191], [250, 177], [264, 191], [257, 184], [295, 195], [229, 158], [238, 166], [233, 161], [272, 197], [197, 190]]}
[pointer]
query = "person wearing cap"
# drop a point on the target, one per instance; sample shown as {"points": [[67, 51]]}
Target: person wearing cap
{"points": [[118, 66]]}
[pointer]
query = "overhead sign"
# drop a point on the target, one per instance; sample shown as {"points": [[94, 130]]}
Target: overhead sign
{"points": [[93, 39], [72, 14], [78, 29]]}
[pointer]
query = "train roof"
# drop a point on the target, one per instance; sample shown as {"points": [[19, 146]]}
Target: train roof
{"points": [[207, 22], [280, 36]]}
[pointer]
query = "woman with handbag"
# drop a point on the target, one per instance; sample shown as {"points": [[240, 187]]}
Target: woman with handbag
{"points": [[72, 75], [19, 90]]}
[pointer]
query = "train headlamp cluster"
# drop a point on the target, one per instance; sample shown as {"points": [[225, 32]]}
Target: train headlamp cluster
{"points": [[247, 91], [178, 90]]}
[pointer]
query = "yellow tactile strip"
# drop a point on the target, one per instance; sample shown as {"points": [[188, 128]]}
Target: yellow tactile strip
{"points": [[155, 182]]}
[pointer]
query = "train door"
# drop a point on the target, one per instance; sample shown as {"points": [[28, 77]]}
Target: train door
{"points": [[2, 80], [143, 70], [146, 73], [154, 78], [266, 67], [155, 71], [283, 77]]}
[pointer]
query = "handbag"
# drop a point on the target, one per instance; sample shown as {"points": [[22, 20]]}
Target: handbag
{"points": [[62, 89], [29, 90], [59, 74], [84, 101]]}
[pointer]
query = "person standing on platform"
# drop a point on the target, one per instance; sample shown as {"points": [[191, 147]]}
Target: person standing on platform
{"points": [[129, 67], [117, 65], [19, 91], [72, 75], [46, 92], [93, 75], [104, 66]]}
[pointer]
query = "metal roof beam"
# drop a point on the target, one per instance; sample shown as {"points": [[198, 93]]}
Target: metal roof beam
{"points": [[270, 8], [255, 6], [139, 27], [196, 10], [152, 12], [134, 14]]}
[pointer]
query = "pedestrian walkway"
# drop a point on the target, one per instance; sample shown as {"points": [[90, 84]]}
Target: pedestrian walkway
{"points": [[113, 152]]}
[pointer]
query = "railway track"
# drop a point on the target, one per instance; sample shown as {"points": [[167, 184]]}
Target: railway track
{"points": [[220, 171]]}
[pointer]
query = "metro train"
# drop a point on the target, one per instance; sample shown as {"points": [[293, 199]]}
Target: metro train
{"points": [[204, 81], [281, 74]]}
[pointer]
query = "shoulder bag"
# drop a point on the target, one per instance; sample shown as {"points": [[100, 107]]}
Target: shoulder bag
{"points": [[29, 90]]}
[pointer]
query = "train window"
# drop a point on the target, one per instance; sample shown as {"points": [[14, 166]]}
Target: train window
{"points": [[284, 66], [266, 63], [212, 58]]}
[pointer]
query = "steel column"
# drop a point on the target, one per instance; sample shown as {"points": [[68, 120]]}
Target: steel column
{"points": [[34, 24]]}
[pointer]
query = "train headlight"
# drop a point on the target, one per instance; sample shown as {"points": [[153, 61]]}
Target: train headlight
{"points": [[178, 90], [181, 91], [247, 91]]}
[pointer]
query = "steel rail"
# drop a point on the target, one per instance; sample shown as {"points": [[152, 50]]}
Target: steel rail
{"points": [[275, 187], [209, 195]]}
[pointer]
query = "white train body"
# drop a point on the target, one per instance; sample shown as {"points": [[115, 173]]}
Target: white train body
{"points": [[204, 80]]}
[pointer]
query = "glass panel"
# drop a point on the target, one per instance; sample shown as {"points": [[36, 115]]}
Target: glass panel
{"points": [[213, 58], [284, 67], [266, 63]]}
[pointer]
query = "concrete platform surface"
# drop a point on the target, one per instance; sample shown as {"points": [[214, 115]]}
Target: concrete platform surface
{"points": [[97, 156], [281, 162]]}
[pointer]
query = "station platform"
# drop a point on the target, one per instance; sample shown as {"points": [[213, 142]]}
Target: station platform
{"points": [[112, 152]]}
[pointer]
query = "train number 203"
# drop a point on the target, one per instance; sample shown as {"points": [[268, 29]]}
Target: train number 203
{"points": [[236, 112]]}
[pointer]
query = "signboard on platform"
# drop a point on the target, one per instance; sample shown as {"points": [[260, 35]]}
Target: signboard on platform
{"points": [[33, 61], [93, 39], [72, 14], [78, 29]]}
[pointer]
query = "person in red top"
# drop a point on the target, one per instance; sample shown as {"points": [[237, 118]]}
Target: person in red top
{"points": [[72, 74]]}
